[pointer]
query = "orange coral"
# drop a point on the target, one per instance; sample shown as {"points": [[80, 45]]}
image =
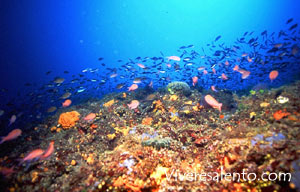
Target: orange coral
{"points": [[68, 119], [119, 182], [136, 186], [93, 126], [280, 114], [158, 106], [147, 121]]}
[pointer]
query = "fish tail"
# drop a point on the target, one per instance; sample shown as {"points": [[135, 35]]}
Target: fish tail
{"points": [[21, 161], [2, 140]]}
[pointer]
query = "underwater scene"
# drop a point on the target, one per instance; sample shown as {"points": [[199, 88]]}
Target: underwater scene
{"points": [[150, 96]]}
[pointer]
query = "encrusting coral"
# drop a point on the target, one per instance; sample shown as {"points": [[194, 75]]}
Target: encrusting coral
{"points": [[68, 119]]}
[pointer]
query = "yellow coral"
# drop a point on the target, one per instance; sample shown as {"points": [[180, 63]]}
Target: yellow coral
{"points": [[122, 130], [159, 174], [109, 103], [111, 136], [34, 176], [252, 114], [158, 106], [90, 160], [188, 102], [173, 97], [68, 119], [264, 104], [73, 162]]}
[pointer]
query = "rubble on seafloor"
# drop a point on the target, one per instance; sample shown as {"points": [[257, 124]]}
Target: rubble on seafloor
{"points": [[162, 144]]}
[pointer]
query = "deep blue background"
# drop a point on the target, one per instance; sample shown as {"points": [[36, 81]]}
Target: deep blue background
{"points": [[37, 36]]}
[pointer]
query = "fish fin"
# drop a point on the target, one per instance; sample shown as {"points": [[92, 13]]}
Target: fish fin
{"points": [[220, 106]]}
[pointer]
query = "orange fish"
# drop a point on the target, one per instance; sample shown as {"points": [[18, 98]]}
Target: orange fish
{"points": [[33, 155], [133, 87], [11, 135], [273, 75], [90, 117], [224, 77], [49, 151], [213, 102], [66, 103], [204, 72], [195, 80], [226, 63]]}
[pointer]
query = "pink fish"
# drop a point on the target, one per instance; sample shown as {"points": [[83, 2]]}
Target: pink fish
{"points": [[273, 75], [141, 65], [214, 70], [66, 103], [12, 135], [244, 73], [151, 84], [169, 65], [49, 151], [204, 72], [134, 104], [224, 77], [90, 117], [175, 58], [213, 102], [249, 59], [5, 171], [133, 87], [236, 68], [33, 155], [195, 80], [213, 88]]}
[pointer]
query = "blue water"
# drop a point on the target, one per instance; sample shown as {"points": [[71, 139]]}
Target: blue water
{"points": [[57, 36]]}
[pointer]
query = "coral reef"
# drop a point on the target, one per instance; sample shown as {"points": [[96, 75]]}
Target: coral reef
{"points": [[139, 150], [179, 87], [68, 119]]}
